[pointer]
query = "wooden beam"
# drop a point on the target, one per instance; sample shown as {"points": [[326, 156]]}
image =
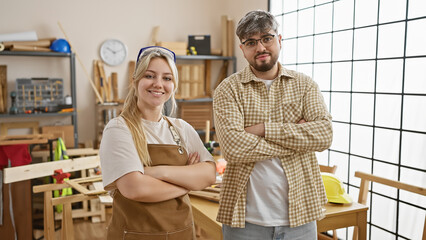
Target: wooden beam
{"points": [[16, 174], [71, 199]]}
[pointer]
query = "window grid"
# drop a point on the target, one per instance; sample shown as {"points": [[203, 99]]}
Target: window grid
{"points": [[402, 94]]}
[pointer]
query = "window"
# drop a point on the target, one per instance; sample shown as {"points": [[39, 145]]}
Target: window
{"points": [[369, 59]]}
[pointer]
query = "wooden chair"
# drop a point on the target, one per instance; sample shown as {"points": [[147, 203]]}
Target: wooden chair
{"points": [[364, 188], [31, 171], [328, 169]]}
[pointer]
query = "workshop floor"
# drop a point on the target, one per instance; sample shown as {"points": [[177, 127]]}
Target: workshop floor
{"points": [[83, 229]]}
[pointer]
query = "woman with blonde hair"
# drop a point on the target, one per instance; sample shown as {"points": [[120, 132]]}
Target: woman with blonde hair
{"points": [[150, 161]]}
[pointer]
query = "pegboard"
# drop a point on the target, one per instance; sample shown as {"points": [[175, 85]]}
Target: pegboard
{"points": [[43, 94]]}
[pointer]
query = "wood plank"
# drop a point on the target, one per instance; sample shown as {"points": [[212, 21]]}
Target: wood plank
{"points": [[105, 199], [17, 125], [67, 225], [15, 174], [71, 199], [206, 195], [208, 72], [72, 152], [77, 187], [114, 84], [66, 132], [80, 213], [230, 37], [3, 83], [49, 221], [104, 81], [132, 65], [224, 32], [96, 76]]}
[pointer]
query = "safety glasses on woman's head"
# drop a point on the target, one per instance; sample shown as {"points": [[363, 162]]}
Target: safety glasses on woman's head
{"points": [[146, 50]]}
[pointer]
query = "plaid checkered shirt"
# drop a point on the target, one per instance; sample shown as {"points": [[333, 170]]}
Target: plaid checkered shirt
{"points": [[242, 100]]}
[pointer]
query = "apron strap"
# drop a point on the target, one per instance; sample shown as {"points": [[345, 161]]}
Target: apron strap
{"points": [[175, 134]]}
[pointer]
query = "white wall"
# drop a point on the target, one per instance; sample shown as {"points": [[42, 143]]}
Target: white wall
{"points": [[89, 23]]}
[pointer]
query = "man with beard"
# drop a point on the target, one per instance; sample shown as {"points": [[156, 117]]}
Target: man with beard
{"points": [[270, 121]]}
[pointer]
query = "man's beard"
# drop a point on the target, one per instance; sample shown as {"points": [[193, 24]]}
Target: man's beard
{"points": [[264, 66]]}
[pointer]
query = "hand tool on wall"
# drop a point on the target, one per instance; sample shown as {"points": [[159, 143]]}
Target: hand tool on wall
{"points": [[82, 65]]}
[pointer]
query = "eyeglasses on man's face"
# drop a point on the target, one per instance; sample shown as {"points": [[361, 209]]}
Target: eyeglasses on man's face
{"points": [[165, 51], [265, 40]]}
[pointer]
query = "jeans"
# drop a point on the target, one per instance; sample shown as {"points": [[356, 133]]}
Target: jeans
{"points": [[257, 232]]}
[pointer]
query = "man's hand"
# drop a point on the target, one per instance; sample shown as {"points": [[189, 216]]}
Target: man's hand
{"points": [[257, 129]]}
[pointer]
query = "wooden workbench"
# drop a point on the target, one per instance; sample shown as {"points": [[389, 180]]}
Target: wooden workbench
{"points": [[336, 216]]}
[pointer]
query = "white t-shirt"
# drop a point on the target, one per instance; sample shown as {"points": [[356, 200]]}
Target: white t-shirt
{"points": [[267, 191], [118, 152]]}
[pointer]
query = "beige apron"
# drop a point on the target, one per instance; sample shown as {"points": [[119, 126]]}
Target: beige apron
{"points": [[166, 220]]}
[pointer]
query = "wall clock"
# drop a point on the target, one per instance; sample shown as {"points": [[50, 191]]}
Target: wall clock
{"points": [[113, 52]]}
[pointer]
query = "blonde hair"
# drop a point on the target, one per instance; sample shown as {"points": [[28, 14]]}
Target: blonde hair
{"points": [[131, 113]]}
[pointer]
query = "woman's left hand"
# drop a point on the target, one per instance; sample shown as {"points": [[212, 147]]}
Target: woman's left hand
{"points": [[193, 158]]}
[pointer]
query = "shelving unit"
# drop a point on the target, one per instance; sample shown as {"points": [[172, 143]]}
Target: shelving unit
{"points": [[104, 113], [198, 110], [72, 83], [207, 66]]}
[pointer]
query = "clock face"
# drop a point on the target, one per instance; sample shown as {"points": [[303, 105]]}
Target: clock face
{"points": [[113, 52]]}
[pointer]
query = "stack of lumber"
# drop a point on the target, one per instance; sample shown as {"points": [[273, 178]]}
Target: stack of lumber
{"points": [[41, 45], [107, 86]]}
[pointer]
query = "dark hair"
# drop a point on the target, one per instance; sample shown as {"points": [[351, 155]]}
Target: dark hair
{"points": [[257, 21]]}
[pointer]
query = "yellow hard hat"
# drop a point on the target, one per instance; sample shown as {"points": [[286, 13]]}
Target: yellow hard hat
{"points": [[334, 189]]}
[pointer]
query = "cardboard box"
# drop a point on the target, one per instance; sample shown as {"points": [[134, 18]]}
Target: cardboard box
{"points": [[179, 48]]}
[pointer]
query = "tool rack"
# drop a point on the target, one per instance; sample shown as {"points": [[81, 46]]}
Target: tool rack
{"points": [[71, 81]]}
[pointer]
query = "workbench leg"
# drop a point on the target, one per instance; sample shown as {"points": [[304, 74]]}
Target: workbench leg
{"points": [[49, 221], [67, 224]]}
